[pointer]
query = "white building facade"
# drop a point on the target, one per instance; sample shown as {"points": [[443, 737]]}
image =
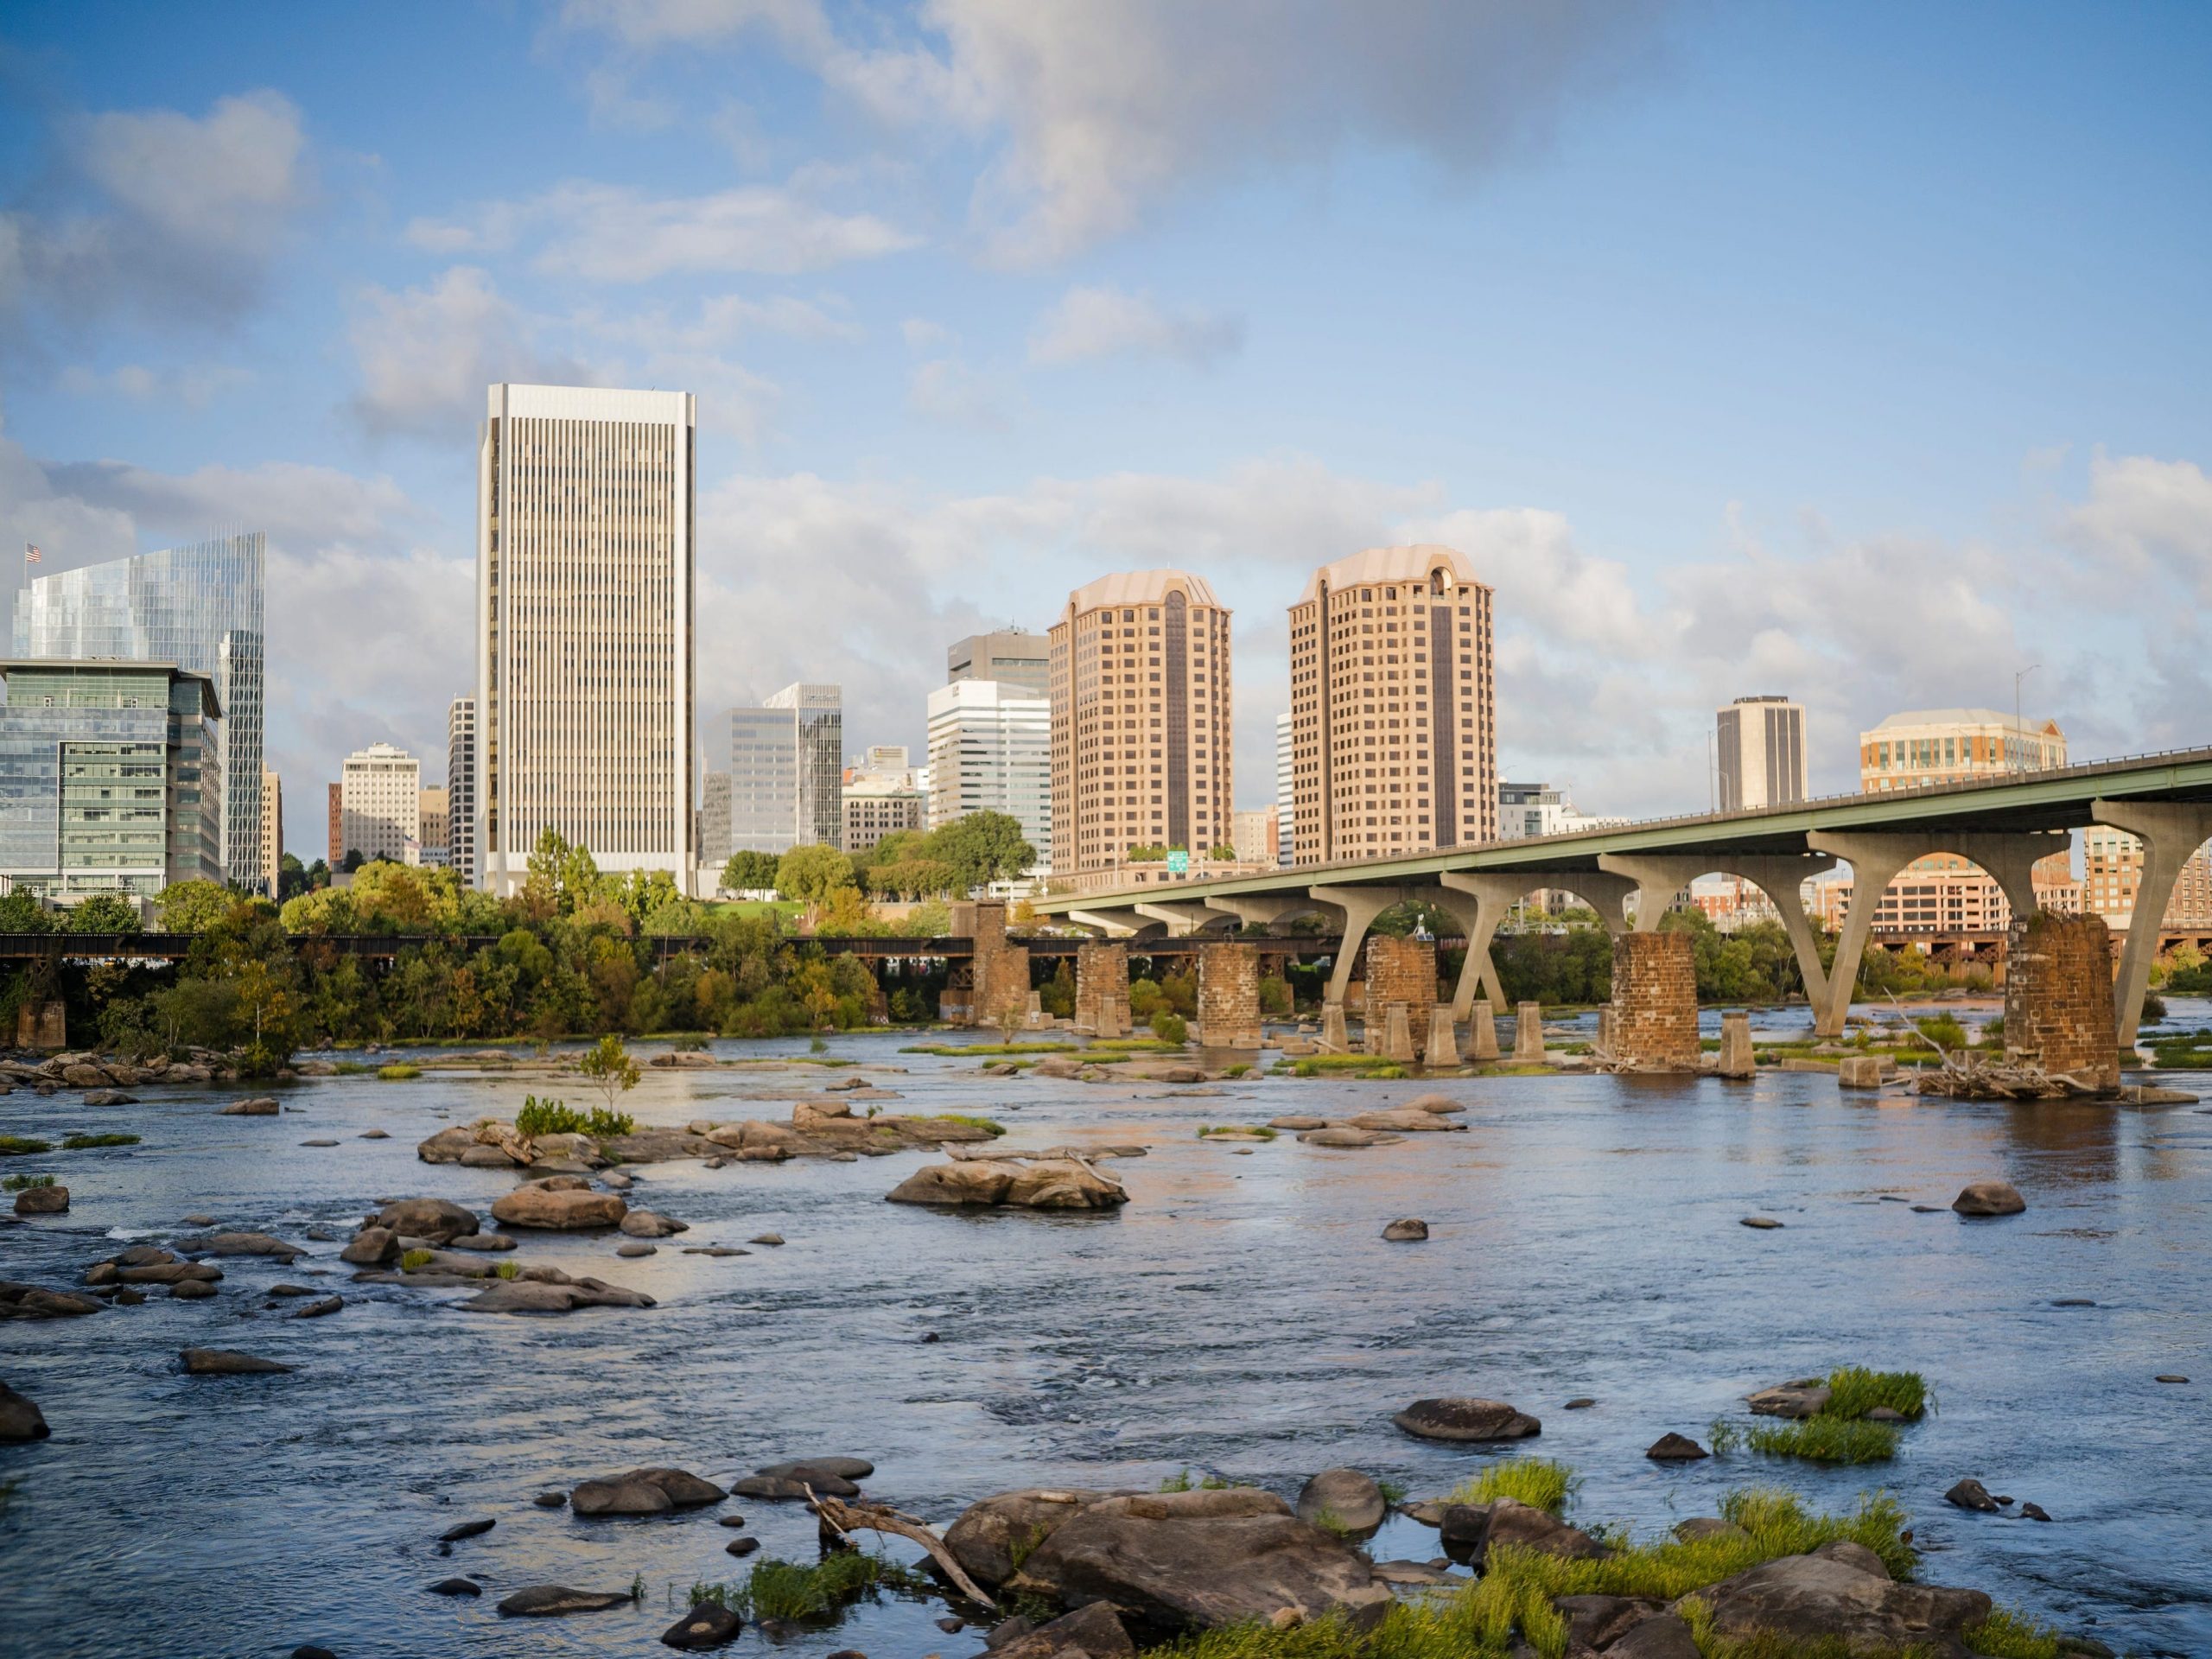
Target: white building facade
{"points": [[380, 810], [991, 751]]}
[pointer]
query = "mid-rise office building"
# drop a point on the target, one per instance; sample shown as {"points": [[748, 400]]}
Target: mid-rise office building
{"points": [[1253, 837], [1759, 753], [585, 572], [991, 751], [273, 831], [1285, 787], [713, 821], [461, 789], [1392, 707], [2112, 869], [785, 763], [1525, 809], [883, 796], [381, 797], [111, 779], [435, 834], [336, 854], [1011, 656], [197, 607], [1140, 719]]}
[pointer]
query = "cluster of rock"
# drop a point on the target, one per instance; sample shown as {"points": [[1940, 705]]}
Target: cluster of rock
{"points": [[104, 1077], [1067, 1067], [821, 1126], [1423, 1114], [444, 1242], [1013, 1181]]}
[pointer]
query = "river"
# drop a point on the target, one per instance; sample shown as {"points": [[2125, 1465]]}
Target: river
{"points": [[1242, 1317]]}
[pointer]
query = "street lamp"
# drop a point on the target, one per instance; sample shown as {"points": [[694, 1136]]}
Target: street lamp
{"points": [[2022, 675]]}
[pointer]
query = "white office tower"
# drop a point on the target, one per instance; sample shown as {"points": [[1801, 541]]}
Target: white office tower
{"points": [[991, 751], [1760, 754], [584, 624]]}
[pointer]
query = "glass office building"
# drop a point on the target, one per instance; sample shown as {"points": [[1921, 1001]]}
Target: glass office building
{"points": [[197, 607], [111, 778], [785, 763]]}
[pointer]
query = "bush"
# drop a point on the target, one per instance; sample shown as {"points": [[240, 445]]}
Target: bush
{"points": [[539, 1117], [1169, 1027]]}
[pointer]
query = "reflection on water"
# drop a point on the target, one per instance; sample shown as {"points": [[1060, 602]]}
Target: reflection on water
{"points": [[1242, 1316]]}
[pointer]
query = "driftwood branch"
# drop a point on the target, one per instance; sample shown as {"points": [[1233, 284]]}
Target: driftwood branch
{"points": [[845, 1519]]}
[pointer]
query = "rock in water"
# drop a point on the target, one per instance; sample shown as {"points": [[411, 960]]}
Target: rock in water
{"points": [[260, 1106], [1671, 1448], [1045, 1184], [650, 1224], [1971, 1494], [42, 1201], [1807, 1397], [319, 1308], [439, 1220], [1091, 1632], [644, 1491], [1831, 1597], [456, 1587], [20, 1418], [819, 1469], [227, 1362], [1459, 1418], [1171, 1561], [993, 1531], [705, 1626], [1662, 1636], [466, 1529], [545, 1600], [1407, 1229], [371, 1248], [1349, 1498], [559, 1203], [1470, 1530], [1989, 1198]]}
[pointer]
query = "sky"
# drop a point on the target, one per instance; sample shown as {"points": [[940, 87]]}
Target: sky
{"points": [[1854, 353]]}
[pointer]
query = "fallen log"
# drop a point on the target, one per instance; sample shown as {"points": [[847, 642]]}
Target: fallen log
{"points": [[847, 1518]]}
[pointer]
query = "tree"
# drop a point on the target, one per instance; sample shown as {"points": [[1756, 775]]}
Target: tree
{"points": [[318, 874], [809, 874], [609, 1069], [292, 877], [106, 912], [194, 906], [20, 913], [983, 847], [355, 859], [749, 872]]}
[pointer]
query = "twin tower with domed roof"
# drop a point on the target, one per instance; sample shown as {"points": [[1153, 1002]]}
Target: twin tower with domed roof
{"points": [[1391, 734]]}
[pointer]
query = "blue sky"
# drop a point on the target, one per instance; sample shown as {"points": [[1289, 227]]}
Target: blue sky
{"points": [[1859, 353]]}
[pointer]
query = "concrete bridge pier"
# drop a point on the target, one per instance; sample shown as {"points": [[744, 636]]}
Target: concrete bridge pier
{"points": [[1184, 917], [1229, 996], [1482, 1031], [1442, 1046], [1101, 989], [2170, 832], [1662, 878], [1359, 907]]}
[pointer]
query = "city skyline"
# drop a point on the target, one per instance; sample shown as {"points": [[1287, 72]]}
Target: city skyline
{"points": [[1725, 395]]}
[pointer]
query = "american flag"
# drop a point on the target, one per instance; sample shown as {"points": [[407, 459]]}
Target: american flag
{"points": [[30, 554]]}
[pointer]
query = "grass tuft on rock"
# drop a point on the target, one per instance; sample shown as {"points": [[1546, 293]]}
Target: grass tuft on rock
{"points": [[1235, 1132], [988, 1126], [539, 1117], [795, 1591], [1540, 1483], [86, 1143], [1853, 1391], [1183, 1482], [23, 1183], [1822, 1438], [402, 1073], [15, 1146], [413, 1260], [956, 1051], [1365, 1066]]}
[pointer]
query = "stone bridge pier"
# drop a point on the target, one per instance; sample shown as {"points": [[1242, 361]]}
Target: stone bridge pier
{"points": [[1400, 992], [1229, 996], [2058, 997], [1652, 1023], [999, 971], [1101, 989]]}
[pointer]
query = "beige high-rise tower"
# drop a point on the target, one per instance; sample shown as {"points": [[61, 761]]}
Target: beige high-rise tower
{"points": [[584, 625], [1141, 719], [1394, 735]]}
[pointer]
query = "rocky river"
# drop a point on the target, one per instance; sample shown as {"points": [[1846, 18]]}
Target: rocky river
{"points": [[1241, 1317]]}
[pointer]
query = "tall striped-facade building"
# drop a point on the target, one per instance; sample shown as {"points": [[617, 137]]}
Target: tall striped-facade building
{"points": [[1140, 668], [1394, 734], [584, 620]]}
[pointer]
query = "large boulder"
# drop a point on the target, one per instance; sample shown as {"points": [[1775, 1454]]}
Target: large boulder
{"points": [[1041, 1183], [1170, 1561], [1343, 1136], [538, 1296], [644, 1491], [1470, 1531], [1806, 1397], [439, 1220], [446, 1146], [650, 1224], [1094, 1631], [968, 1181], [707, 1624], [1343, 1500], [371, 1247], [559, 1203], [992, 1538], [1433, 1103], [259, 1106], [227, 1362], [1831, 1595], [242, 1244], [20, 1418], [1989, 1198], [42, 1201], [1406, 1120], [547, 1600], [1462, 1418]]}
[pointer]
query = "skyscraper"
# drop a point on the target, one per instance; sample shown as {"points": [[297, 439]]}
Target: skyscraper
{"points": [[1760, 754], [1011, 656], [197, 607], [460, 788], [991, 751], [1141, 719], [584, 605], [1285, 788], [784, 764], [1392, 705], [273, 831]]}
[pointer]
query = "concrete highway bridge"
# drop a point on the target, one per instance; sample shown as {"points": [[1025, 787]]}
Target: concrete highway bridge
{"points": [[1631, 875]]}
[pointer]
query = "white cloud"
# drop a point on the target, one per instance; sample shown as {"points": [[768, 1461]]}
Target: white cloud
{"points": [[646, 25], [920, 334], [426, 355], [947, 389], [611, 234], [1104, 322], [193, 386], [2143, 511], [175, 216]]}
